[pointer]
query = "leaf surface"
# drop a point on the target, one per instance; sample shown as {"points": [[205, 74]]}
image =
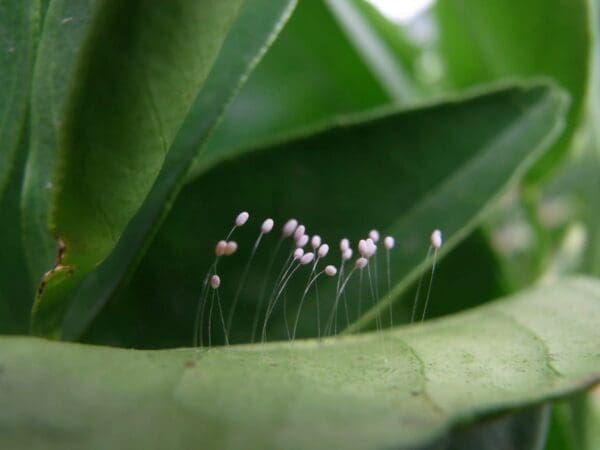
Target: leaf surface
{"points": [[258, 24], [19, 29], [401, 388], [482, 41], [383, 46], [298, 83], [114, 82], [403, 172], [16, 293]]}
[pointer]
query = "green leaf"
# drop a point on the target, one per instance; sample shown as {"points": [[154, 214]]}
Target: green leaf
{"points": [[383, 46], [472, 255], [403, 388], [16, 293], [524, 430], [575, 423], [19, 25], [297, 84], [258, 24], [403, 172], [592, 183], [482, 41], [114, 82], [592, 419], [485, 169]]}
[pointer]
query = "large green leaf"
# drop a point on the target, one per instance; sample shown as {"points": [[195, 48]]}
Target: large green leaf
{"points": [[404, 172], [19, 25], [114, 82], [384, 46], [16, 292], [302, 80], [257, 26], [471, 255], [523, 430], [593, 252], [575, 423], [482, 41], [403, 388]]}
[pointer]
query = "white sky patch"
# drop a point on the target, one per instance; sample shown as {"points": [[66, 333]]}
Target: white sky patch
{"points": [[401, 10]]}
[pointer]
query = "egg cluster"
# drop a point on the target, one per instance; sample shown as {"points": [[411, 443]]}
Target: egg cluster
{"points": [[307, 250]]}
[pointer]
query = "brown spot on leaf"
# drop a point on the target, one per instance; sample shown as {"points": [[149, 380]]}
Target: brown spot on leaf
{"points": [[41, 286], [58, 266]]}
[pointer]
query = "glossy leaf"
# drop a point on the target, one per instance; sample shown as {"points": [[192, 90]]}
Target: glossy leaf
{"points": [[455, 277], [403, 172], [257, 26], [482, 41], [16, 293], [384, 64], [113, 84], [593, 253], [402, 388], [524, 430], [19, 28], [303, 79]]}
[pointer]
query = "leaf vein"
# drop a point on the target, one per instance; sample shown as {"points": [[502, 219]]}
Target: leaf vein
{"points": [[537, 338], [422, 390]]}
